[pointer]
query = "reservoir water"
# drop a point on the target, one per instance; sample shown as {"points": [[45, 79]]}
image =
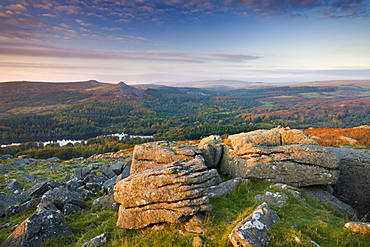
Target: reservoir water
{"points": [[64, 142]]}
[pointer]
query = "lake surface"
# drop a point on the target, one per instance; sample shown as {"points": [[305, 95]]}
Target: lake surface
{"points": [[64, 142]]}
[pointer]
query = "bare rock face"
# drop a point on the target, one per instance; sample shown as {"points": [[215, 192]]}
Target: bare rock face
{"points": [[153, 154], [169, 193], [253, 230], [353, 186], [212, 149], [39, 228], [279, 155]]}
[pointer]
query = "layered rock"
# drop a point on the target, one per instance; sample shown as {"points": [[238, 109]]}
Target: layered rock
{"points": [[279, 155], [169, 193], [153, 154]]}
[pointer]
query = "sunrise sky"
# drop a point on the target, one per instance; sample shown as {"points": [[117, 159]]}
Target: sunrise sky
{"points": [[146, 41]]}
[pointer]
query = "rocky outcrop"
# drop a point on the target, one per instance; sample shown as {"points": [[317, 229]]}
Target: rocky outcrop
{"points": [[37, 229], [353, 186], [212, 149], [253, 230], [169, 193], [279, 155], [153, 154]]}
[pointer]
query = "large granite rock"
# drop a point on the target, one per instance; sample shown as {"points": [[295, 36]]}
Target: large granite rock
{"points": [[39, 228], [169, 193], [253, 230], [353, 185], [279, 155], [153, 154], [62, 197], [212, 149]]}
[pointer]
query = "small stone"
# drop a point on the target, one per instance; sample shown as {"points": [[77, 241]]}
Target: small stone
{"points": [[361, 227], [157, 227], [278, 199], [98, 240], [198, 241], [92, 225], [195, 228]]}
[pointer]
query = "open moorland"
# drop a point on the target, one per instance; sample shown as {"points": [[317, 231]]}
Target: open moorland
{"points": [[36, 111]]}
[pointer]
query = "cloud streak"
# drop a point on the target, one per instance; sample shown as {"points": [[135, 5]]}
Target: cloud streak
{"points": [[23, 49]]}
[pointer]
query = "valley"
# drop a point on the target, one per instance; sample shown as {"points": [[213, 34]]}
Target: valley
{"points": [[40, 111]]}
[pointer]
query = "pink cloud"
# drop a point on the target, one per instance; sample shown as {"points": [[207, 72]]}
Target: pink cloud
{"points": [[82, 23], [16, 7], [69, 9]]}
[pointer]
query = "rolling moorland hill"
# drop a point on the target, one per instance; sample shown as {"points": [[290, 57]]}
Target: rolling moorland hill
{"points": [[35, 111]]}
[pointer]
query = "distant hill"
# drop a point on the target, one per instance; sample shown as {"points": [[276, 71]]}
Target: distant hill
{"points": [[331, 83], [27, 93], [336, 83], [215, 85]]}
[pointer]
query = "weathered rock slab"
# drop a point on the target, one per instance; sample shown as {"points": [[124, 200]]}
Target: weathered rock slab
{"points": [[225, 188], [39, 228], [253, 230], [169, 193], [329, 199], [274, 155], [153, 154], [275, 198], [61, 196], [175, 212], [173, 182]]}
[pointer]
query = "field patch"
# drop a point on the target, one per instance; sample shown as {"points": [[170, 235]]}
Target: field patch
{"points": [[267, 103]]}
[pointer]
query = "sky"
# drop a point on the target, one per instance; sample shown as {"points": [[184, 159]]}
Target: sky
{"points": [[148, 41]]}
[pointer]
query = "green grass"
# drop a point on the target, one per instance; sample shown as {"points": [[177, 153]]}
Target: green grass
{"points": [[267, 103], [313, 220], [284, 96], [314, 95]]}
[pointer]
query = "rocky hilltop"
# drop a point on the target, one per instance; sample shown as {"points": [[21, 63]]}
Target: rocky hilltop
{"points": [[183, 191]]}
